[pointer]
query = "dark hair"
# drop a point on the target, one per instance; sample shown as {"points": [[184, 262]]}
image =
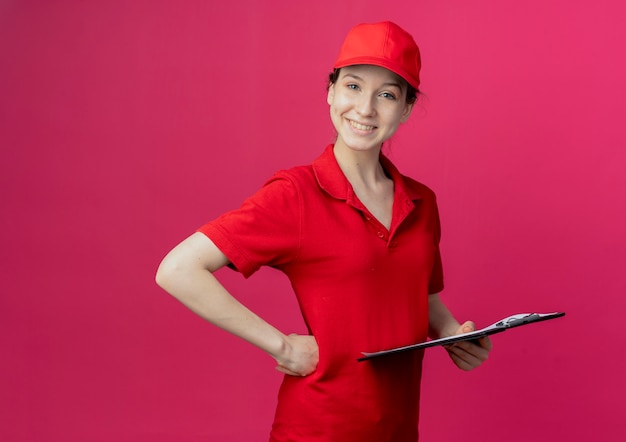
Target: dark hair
{"points": [[411, 92]]}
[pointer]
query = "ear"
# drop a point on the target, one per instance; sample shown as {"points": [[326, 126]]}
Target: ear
{"points": [[331, 94], [406, 113]]}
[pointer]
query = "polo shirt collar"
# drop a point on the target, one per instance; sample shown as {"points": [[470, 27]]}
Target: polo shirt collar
{"points": [[331, 179]]}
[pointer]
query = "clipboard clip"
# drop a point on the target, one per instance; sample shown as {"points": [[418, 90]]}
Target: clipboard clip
{"points": [[515, 320], [525, 318]]}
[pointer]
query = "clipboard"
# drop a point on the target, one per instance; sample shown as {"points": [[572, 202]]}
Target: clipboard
{"points": [[505, 324]]}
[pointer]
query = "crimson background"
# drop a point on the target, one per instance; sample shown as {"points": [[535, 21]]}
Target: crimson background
{"points": [[125, 125]]}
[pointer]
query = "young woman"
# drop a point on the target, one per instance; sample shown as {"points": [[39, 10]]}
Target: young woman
{"points": [[360, 244]]}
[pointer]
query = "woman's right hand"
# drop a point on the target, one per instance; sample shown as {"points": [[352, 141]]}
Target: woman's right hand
{"points": [[300, 357]]}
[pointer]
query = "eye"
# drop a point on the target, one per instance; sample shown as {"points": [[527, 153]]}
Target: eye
{"points": [[388, 95], [352, 86]]}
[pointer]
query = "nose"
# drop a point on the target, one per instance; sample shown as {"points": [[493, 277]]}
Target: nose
{"points": [[365, 106]]}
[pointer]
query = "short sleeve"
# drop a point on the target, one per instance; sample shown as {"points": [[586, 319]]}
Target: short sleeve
{"points": [[435, 284], [265, 230], [436, 278]]}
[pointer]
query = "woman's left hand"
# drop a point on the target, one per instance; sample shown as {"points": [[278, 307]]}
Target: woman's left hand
{"points": [[467, 355]]}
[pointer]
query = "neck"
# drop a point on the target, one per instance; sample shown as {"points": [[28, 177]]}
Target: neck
{"points": [[361, 168]]}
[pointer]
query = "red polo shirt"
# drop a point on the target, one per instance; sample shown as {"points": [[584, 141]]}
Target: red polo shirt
{"points": [[360, 287]]}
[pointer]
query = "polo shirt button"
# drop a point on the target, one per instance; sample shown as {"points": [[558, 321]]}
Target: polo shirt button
{"points": [[381, 235]]}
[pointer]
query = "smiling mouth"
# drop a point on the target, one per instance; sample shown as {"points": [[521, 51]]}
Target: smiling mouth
{"points": [[360, 126]]}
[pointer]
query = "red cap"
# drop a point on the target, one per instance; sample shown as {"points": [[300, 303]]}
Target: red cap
{"points": [[382, 44]]}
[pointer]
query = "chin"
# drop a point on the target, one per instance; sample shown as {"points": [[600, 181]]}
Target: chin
{"points": [[363, 146]]}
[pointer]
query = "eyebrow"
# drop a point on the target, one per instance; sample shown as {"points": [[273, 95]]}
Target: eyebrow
{"points": [[356, 77]]}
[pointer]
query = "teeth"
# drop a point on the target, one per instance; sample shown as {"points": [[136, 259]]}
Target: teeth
{"points": [[360, 126]]}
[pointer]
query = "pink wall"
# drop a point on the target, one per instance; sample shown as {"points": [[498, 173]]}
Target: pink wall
{"points": [[125, 125]]}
